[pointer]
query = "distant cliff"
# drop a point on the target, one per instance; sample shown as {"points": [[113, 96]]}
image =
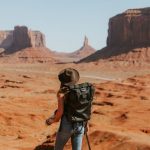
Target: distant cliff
{"points": [[21, 38], [131, 28], [6, 39], [24, 46], [128, 37]]}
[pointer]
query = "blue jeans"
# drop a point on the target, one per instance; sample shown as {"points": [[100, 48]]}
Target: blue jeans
{"points": [[68, 130]]}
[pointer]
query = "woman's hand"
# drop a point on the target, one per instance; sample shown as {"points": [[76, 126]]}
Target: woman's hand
{"points": [[49, 121], [59, 112]]}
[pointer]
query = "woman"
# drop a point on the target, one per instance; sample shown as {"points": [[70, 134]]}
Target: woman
{"points": [[66, 129]]}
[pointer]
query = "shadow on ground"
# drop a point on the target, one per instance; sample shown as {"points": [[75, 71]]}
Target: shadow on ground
{"points": [[44, 147]]}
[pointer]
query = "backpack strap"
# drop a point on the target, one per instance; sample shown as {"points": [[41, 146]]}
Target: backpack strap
{"points": [[82, 85]]}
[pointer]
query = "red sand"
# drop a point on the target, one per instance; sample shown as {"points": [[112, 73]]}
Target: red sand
{"points": [[120, 115]]}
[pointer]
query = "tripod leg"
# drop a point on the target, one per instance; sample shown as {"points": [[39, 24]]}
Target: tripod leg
{"points": [[87, 139]]}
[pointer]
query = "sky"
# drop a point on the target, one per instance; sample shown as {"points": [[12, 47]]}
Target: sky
{"points": [[65, 22]]}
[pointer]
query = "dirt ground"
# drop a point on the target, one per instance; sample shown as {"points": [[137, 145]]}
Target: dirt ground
{"points": [[120, 114]]}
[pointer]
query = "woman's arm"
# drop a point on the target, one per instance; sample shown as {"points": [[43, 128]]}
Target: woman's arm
{"points": [[59, 112]]}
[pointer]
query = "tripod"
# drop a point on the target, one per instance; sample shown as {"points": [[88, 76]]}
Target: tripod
{"points": [[87, 139]]}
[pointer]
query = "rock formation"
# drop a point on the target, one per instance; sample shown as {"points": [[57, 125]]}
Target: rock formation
{"points": [[29, 55], [20, 38], [75, 56], [84, 51], [6, 39], [131, 28], [128, 37], [24, 46], [37, 39]]}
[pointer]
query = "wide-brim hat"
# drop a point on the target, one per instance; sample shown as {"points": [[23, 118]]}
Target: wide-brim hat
{"points": [[68, 76]]}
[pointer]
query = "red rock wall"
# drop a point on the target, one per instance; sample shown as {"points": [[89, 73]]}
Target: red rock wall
{"points": [[6, 39], [21, 38], [128, 38], [37, 39], [131, 29]]}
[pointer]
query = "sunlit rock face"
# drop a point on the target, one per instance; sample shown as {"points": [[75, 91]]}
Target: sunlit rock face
{"points": [[21, 37], [128, 38], [131, 28]]}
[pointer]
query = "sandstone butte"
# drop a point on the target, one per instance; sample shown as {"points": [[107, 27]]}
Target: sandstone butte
{"points": [[23, 45], [128, 38]]}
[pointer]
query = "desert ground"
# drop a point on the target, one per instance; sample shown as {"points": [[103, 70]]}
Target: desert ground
{"points": [[120, 114]]}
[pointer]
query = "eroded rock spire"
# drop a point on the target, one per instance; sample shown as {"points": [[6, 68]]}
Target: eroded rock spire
{"points": [[86, 42]]}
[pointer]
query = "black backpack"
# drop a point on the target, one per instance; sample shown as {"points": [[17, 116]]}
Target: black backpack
{"points": [[78, 102]]}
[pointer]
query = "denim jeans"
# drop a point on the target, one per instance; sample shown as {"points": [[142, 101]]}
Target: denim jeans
{"points": [[68, 130]]}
